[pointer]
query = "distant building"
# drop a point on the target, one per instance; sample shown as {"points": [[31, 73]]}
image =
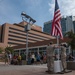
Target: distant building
{"points": [[66, 24], [47, 27], [69, 24]]}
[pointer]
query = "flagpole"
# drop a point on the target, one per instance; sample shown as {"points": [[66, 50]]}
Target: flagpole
{"points": [[57, 31], [58, 47]]}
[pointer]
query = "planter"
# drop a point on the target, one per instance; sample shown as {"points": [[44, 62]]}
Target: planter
{"points": [[71, 65], [23, 62]]}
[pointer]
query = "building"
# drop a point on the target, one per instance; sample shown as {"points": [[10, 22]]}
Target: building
{"points": [[66, 24], [69, 24], [47, 27], [14, 34], [74, 26]]}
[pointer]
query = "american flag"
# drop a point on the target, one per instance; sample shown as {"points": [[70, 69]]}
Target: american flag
{"points": [[56, 25]]}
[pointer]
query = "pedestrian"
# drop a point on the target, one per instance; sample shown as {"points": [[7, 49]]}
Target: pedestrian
{"points": [[19, 59], [10, 57], [29, 59], [32, 58], [70, 57], [38, 58], [41, 58], [6, 58], [50, 58], [45, 58]]}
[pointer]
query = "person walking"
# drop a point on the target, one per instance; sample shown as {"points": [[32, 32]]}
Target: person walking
{"points": [[6, 58], [50, 58], [10, 57]]}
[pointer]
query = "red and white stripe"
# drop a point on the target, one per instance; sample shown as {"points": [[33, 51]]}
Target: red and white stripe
{"points": [[56, 25]]}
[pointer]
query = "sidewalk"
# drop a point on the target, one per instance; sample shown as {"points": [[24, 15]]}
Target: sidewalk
{"points": [[1, 63], [27, 70]]}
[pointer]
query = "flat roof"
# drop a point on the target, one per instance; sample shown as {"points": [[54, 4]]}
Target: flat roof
{"points": [[41, 43]]}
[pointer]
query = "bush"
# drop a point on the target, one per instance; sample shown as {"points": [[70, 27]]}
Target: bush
{"points": [[1, 50]]}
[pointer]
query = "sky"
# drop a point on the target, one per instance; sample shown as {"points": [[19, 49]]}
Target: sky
{"points": [[40, 10]]}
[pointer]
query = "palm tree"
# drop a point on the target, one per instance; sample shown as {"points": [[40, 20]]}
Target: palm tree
{"points": [[9, 50], [71, 35]]}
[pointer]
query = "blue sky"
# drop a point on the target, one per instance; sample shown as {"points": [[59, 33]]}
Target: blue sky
{"points": [[40, 10]]}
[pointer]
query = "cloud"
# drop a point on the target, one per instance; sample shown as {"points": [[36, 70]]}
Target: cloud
{"points": [[51, 7], [67, 7]]}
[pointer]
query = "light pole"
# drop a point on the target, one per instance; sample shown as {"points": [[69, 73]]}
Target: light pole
{"points": [[30, 21]]}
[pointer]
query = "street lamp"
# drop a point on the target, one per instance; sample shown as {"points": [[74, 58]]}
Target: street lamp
{"points": [[30, 21]]}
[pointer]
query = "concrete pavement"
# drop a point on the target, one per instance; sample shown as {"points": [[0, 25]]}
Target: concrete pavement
{"points": [[26, 70]]}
